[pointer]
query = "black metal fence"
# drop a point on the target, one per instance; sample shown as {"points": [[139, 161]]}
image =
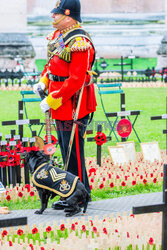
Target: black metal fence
{"points": [[8, 77], [128, 75]]}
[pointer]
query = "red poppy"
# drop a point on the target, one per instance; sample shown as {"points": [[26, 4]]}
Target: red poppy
{"points": [[104, 230], [100, 138], [83, 228], [151, 175], [132, 215], [109, 176], [151, 241], [10, 243], [104, 178], [8, 198], [76, 223], [20, 194], [133, 183], [141, 177], [92, 170], [91, 187], [91, 180], [42, 248], [34, 230], [101, 186], [27, 186], [155, 180], [128, 235], [48, 229], [117, 177], [32, 193], [62, 227], [144, 181], [95, 230], [73, 227], [19, 232], [91, 222], [4, 233], [111, 184], [116, 230], [126, 177], [123, 184], [32, 248], [161, 174]]}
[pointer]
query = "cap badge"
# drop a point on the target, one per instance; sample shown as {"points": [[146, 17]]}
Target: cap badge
{"points": [[67, 12]]}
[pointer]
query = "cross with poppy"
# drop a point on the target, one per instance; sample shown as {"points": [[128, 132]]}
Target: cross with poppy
{"points": [[100, 139], [163, 206]]}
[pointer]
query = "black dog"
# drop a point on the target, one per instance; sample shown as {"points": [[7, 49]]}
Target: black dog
{"points": [[51, 181]]}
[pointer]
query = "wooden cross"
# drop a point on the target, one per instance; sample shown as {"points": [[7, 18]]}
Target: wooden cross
{"points": [[158, 208], [20, 122], [163, 206], [90, 139]]}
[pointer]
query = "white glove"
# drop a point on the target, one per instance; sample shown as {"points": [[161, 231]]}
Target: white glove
{"points": [[38, 85], [44, 106]]}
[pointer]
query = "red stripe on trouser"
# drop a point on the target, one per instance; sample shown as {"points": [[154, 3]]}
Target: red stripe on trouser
{"points": [[78, 153]]}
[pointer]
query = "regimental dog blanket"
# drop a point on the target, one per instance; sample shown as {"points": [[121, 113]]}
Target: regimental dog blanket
{"points": [[54, 179]]}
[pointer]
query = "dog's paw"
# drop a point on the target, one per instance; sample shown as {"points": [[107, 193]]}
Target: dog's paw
{"points": [[38, 212]]}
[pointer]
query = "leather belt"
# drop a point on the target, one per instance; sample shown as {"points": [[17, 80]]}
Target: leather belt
{"points": [[56, 78]]}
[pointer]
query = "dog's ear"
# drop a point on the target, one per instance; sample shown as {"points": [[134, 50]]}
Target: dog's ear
{"points": [[33, 159]]}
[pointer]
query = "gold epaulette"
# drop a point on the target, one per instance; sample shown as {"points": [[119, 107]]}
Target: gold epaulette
{"points": [[81, 44]]}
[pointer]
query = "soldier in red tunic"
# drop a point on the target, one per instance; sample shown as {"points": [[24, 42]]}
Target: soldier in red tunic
{"points": [[71, 55]]}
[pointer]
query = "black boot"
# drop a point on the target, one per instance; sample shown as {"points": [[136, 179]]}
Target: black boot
{"points": [[73, 211], [60, 204]]}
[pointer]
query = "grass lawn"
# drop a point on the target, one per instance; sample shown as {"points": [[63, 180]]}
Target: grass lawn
{"points": [[151, 101], [138, 63], [95, 195]]}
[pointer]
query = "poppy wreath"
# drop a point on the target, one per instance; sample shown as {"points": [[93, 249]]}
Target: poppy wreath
{"points": [[100, 138]]}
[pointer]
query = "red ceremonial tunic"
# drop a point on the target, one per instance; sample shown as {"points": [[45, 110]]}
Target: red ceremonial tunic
{"points": [[61, 93]]}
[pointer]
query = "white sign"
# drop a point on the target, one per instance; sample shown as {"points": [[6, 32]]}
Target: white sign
{"points": [[16, 137], [12, 143], [22, 122], [151, 151], [123, 113], [164, 116], [25, 139], [7, 136], [32, 140], [3, 143], [118, 155], [129, 150]]}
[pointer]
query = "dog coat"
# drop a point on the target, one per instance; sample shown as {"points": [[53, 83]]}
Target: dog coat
{"points": [[55, 180]]}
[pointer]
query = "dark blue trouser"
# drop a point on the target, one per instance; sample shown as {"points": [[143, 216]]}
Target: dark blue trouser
{"points": [[64, 132]]}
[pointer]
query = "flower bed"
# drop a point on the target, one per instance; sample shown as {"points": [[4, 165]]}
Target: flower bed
{"points": [[19, 193], [127, 232], [110, 176]]}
